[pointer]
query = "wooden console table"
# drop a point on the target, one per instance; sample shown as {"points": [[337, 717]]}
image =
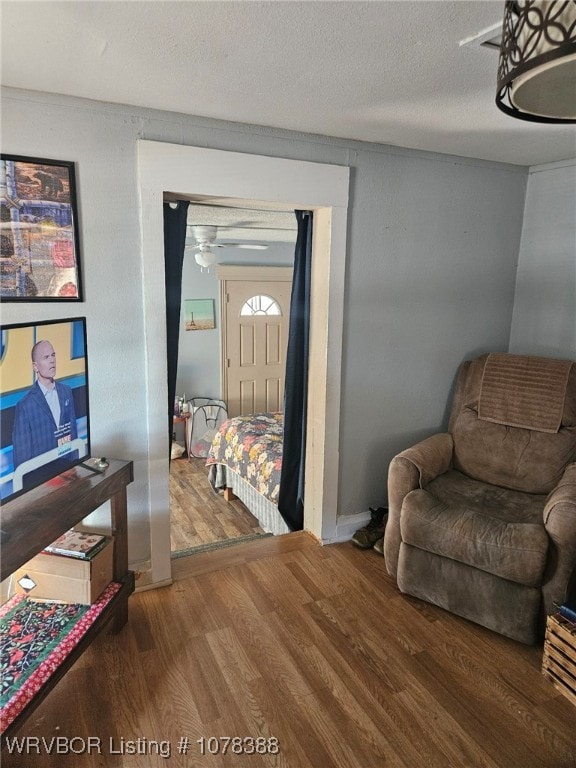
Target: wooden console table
{"points": [[32, 521]]}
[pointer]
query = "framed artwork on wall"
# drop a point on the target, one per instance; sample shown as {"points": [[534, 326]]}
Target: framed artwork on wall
{"points": [[40, 244], [199, 314]]}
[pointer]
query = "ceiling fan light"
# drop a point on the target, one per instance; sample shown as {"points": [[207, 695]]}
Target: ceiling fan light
{"points": [[537, 68], [205, 258]]}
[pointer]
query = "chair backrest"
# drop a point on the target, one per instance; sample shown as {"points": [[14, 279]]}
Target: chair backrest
{"points": [[513, 421]]}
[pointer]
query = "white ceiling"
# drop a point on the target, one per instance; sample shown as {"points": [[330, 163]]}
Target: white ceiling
{"points": [[237, 220], [379, 71]]}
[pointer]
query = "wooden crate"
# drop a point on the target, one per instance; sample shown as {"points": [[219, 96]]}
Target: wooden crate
{"points": [[559, 660]]}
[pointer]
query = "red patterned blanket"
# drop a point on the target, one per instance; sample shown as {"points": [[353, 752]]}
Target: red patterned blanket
{"points": [[35, 638]]}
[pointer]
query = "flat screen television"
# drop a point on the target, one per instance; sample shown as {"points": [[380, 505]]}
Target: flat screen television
{"points": [[44, 418]]}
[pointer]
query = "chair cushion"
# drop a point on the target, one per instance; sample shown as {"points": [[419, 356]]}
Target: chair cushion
{"points": [[511, 457], [491, 528], [519, 459]]}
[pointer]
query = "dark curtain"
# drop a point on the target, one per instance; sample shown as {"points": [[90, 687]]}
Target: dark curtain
{"points": [[291, 495], [174, 241]]}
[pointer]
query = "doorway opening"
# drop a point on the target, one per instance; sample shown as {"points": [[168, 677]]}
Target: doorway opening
{"points": [[238, 360], [304, 185]]}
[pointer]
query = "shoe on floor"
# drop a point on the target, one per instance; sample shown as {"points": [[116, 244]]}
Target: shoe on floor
{"points": [[379, 546], [367, 536]]}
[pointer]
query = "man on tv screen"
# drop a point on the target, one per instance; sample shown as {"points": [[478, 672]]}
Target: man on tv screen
{"points": [[45, 418]]}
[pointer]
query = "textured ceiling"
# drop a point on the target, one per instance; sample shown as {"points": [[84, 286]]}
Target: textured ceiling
{"points": [[244, 223], [389, 72]]}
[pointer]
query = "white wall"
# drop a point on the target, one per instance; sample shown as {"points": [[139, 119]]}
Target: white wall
{"points": [[432, 253], [544, 320]]}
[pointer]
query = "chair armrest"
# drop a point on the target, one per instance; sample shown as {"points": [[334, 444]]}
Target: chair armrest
{"points": [[413, 468], [560, 524], [431, 457]]}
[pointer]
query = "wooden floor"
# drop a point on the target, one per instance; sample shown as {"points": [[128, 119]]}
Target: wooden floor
{"points": [[313, 646], [198, 515]]}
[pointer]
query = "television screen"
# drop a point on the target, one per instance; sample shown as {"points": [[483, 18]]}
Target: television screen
{"points": [[43, 402]]}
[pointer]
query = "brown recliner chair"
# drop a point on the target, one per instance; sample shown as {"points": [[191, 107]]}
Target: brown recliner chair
{"points": [[482, 519]]}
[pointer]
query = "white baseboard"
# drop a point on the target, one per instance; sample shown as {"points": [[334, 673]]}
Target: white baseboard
{"points": [[143, 576], [347, 525]]}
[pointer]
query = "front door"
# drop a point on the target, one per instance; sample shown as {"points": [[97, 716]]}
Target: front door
{"points": [[255, 338]]}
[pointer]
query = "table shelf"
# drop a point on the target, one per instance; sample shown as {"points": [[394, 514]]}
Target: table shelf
{"points": [[32, 521]]}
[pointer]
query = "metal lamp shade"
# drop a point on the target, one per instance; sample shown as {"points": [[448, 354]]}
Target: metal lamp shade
{"points": [[537, 69]]}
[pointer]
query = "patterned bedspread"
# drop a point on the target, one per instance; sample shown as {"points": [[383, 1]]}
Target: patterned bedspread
{"points": [[252, 447]]}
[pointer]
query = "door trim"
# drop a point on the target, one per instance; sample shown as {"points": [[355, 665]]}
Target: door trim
{"points": [[294, 184], [260, 274]]}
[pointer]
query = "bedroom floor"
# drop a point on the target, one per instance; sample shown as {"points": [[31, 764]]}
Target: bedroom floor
{"points": [[198, 515]]}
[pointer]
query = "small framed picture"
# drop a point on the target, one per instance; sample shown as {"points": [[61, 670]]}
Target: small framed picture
{"points": [[40, 250], [199, 314]]}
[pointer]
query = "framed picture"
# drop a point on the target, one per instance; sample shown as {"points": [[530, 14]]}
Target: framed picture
{"points": [[40, 252], [199, 314]]}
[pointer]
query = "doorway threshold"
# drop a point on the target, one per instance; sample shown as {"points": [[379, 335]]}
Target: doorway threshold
{"points": [[212, 545]]}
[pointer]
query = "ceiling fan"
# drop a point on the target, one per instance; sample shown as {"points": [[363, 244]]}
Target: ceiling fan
{"points": [[205, 237]]}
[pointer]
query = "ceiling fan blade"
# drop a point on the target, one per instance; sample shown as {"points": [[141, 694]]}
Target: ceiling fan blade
{"points": [[249, 246], [252, 246], [204, 244], [243, 224]]}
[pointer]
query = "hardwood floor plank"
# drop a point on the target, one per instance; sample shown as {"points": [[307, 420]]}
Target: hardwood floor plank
{"points": [[327, 683], [260, 595], [470, 699], [258, 549], [335, 730], [373, 716], [315, 584], [285, 585], [379, 679], [280, 637], [263, 649], [232, 658], [299, 747], [199, 515]]}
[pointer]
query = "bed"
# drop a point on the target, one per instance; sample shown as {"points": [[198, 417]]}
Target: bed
{"points": [[246, 457]]}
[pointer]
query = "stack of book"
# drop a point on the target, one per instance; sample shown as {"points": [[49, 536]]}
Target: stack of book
{"points": [[75, 568], [77, 544]]}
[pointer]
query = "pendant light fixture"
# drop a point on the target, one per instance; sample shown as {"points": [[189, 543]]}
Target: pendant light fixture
{"points": [[537, 69]]}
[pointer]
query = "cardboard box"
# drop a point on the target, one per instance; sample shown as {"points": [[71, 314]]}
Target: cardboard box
{"points": [[66, 579]]}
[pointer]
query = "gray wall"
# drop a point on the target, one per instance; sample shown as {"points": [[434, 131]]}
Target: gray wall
{"points": [[544, 319], [431, 266], [433, 252]]}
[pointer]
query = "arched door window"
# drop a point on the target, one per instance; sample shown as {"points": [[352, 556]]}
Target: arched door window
{"points": [[260, 305]]}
